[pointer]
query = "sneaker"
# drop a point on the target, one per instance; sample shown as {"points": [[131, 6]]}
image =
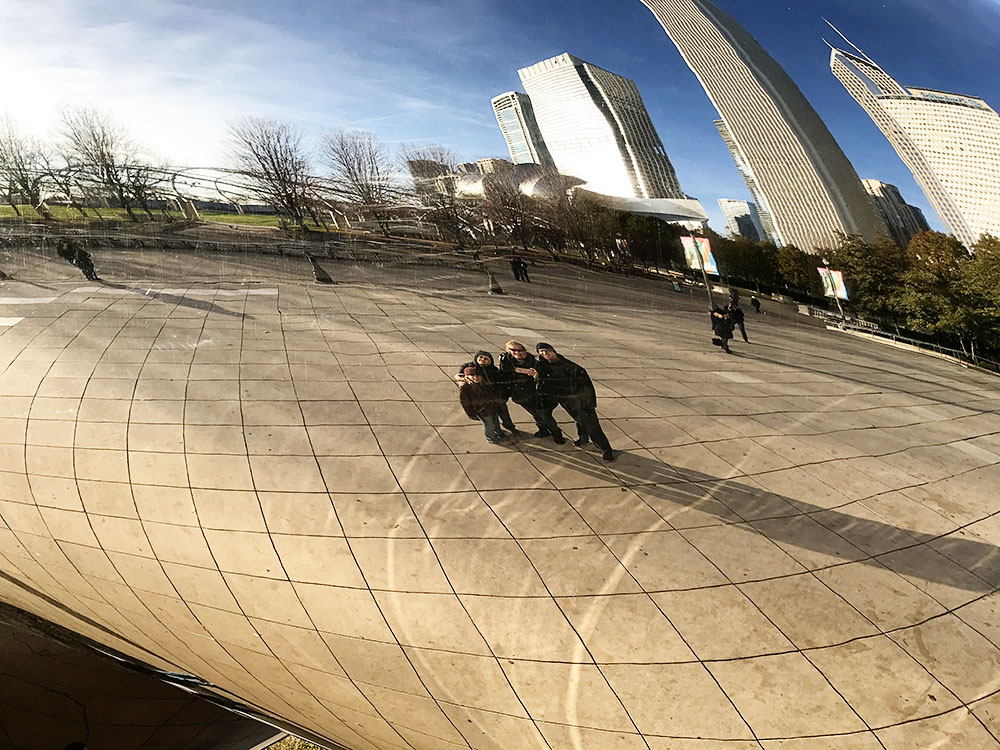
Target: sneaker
{"points": [[542, 433], [608, 455], [510, 428], [558, 439], [581, 442]]}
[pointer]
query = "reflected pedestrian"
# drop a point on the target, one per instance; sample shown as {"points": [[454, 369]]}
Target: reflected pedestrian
{"points": [[523, 265], [515, 267], [482, 400], [722, 328], [517, 366], [736, 314], [564, 382]]}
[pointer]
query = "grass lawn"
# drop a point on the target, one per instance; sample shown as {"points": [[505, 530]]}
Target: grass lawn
{"points": [[65, 213]]}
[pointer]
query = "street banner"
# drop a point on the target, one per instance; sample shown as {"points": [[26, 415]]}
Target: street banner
{"points": [[699, 246], [833, 283]]}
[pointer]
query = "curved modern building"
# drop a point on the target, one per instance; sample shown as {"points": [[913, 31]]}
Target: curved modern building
{"points": [[800, 179], [950, 142], [596, 127]]}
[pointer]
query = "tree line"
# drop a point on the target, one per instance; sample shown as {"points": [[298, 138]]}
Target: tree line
{"points": [[935, 287]]}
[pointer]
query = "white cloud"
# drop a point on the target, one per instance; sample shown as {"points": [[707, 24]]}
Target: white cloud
{"points": [[174, 74]]}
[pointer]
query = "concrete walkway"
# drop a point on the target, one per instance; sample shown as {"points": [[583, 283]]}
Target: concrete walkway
{"points": [[223, 469]]}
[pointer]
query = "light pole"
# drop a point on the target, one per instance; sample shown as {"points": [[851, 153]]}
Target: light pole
{"points": [[840, 307], [701, 265]]}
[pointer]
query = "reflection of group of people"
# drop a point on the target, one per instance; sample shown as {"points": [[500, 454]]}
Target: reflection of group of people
{"points": [[519, 267], [538, 384], [726, 319]]}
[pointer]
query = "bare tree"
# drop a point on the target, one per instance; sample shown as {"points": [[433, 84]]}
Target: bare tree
{"points": [[143, 181], [65, 177], [362, 174], [22, 166], [435, 183], [271, 156], [103, 150]]}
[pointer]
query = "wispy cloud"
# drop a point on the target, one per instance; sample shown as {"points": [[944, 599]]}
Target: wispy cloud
{"points": [[175, 73]]}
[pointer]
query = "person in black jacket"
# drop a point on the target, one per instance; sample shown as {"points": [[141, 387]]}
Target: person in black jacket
{"points": [[722, 327], [493, 375], [482, 400], [563, 382], [517, 365], [736, 313]]}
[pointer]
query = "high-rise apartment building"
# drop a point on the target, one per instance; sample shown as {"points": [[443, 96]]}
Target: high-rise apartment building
{"points": [[801, 179], [516, 119], [742, 219], [768, 230], [902, 219], [596, 128], [950, 142], [492, 164]]}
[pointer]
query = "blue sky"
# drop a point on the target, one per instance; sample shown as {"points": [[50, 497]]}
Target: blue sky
{"points": [[424, 71]]}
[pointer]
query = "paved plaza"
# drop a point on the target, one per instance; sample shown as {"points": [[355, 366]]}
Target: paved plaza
{"points": [[220, 468]]}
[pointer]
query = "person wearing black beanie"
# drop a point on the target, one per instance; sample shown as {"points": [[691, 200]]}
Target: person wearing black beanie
{"points": [[565, 383]]}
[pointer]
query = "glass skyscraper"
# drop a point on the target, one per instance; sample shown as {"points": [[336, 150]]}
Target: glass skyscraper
{"points": [[802, 182], [950, 142], [596, 127]]}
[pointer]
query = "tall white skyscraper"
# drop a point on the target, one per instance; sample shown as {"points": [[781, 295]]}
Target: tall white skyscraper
{"points": [[597, 129], [516, 119], [950, 142], [802, 182]]}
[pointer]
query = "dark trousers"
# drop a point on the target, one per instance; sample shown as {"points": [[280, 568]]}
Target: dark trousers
{"points": [[543, 418], [524, 274], [588, 426], [491, 428], [504, 415], [743, 331]]}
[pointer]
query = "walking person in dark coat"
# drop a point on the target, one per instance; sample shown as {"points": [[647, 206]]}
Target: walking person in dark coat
{"points": [[563, 382], [522, 264], [493, 376], [755, 303], [517, 365], [722, 327], [736, 314], [482, 400], [515, 267]]}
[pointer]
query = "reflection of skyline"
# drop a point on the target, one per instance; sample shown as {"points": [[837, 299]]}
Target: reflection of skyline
{"points": [[950, 142], [189, 72], [793, 167]]}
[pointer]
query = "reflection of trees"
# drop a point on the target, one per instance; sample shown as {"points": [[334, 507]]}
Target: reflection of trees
{"points": [[22, 163], [361, 174], [105, 156], [435, 186], [271, 157]]}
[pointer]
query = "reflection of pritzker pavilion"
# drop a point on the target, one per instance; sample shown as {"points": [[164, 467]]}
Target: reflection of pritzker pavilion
{"points": [[267, 490]]}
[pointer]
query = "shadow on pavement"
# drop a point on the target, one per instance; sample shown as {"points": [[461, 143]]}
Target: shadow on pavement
{"points": [[738, 502], [173, 299]]}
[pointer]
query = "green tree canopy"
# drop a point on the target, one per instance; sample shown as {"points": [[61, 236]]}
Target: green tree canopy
{"points": [[932, 297], [873, 275]]}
